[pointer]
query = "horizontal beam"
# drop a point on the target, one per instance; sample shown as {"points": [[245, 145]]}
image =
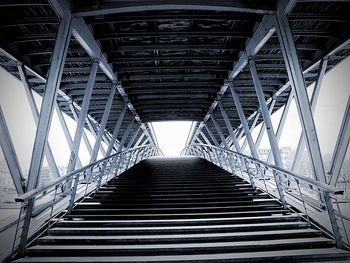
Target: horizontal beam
{"points": [[168, 83], [178, 68], [128, 59], [171, 76], [116, 7], [208, 33]]}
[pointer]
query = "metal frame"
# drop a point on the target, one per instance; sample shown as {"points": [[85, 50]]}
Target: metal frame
{"points": [[10, 156], [103, 124], [82, 118], [341, 147], [35, 113]]}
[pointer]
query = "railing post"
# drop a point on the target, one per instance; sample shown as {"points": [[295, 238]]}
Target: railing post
{"points": [[73, 193]]}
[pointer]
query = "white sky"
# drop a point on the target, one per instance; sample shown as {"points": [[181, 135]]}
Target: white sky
{"points": [[172, 136]]}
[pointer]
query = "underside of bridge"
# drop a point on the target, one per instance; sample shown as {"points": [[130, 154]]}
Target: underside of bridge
{"points": [[116, 66]]}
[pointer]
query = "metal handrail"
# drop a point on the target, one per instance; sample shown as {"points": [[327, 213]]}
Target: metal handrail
{"points": [[33, 193], [309, 180], [318, 200], [62, 194]]}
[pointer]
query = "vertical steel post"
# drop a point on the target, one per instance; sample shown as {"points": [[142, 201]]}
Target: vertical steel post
{"points": [[313, 102], [341, 147], [229, 127], [296, 78], [52, 85], [103, 124], [134, 136], [116, 131], [269, 128], [263, 126], [217, 127], [139, 139], [66, 132], [211, 136], [204, 137], [76, 118], [10, 156], [125, 135], [282, 122], [35, 113], [82, 117], [256, 118], [243, 121], [92, 130]]}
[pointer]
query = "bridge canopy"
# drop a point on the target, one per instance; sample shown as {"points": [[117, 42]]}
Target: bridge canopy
{"points": [[171, 59]]}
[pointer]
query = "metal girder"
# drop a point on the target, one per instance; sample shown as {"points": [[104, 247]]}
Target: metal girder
{"points": [[48, 101], [204, 137], [66, 132], [85, 138], [125, 135], [188, 90], [212, 137], [133, 138], [313, 102], [244, 122], [296, 78], [269, 128], [191, 132], [51, 89], [103, 123], [209, 83], [159, 34], [263, 126], [10, 156], [181, 47], [172, 76], [341, 147], [139, 139], [282, 122], [171, 58], [35, 113], [218, 129], [256, 118], [116, 131], [82, 118], [229, 127], [116, 7], [262, 34], [125, 69]]}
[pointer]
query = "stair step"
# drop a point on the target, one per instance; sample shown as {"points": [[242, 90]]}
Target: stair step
{"points": [[167, 195], [100, 204], [201, 221], [182, 215], [181, 210], [182, 199], [169, 249], [80, 210], [315, 255], [176, 238], [175, 229]]}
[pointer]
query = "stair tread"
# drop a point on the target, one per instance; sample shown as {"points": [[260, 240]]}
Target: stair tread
{"points": [[251, 233], [320, 253], [297, 216], [170, 211], [183, 227], [188, 245]]}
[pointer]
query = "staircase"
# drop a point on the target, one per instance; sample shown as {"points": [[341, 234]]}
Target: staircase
{"points": [[181, 209]]}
